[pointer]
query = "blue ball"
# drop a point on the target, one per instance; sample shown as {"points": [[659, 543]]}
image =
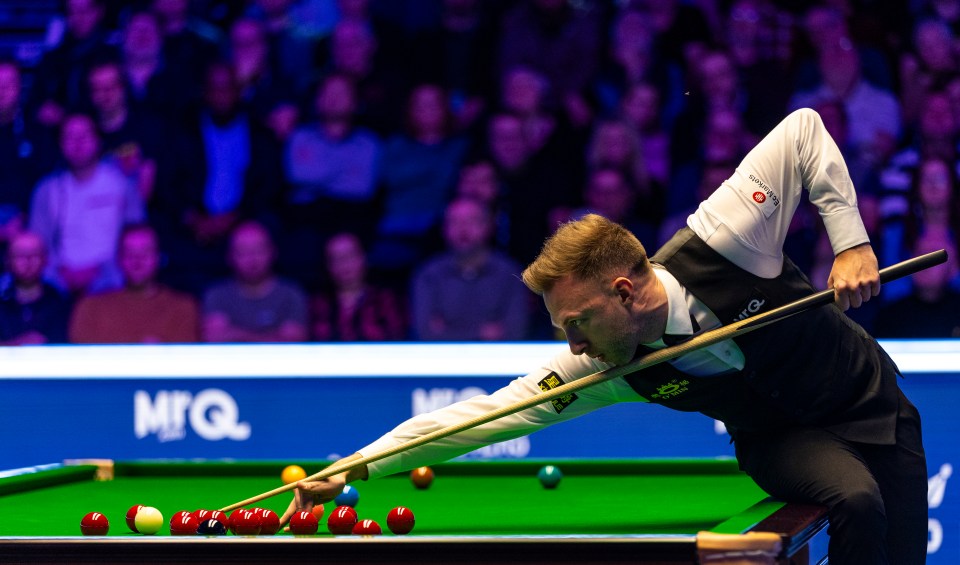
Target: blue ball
{"points": [[549, 476], [349, 497]]}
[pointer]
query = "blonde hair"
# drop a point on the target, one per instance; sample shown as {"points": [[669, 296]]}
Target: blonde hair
{"points": [[587, 248]]}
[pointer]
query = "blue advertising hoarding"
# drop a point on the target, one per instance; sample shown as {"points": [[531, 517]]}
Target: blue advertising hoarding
{"points": [[323, 401]]}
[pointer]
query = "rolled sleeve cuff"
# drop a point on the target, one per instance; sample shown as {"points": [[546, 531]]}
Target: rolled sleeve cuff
{"points": [[846, 229]]}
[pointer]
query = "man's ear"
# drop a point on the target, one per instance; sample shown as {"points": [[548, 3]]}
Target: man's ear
{"points": [[624, 288]]}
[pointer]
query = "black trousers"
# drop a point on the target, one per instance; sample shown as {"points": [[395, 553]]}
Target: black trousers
{"points": [[876, 494]]}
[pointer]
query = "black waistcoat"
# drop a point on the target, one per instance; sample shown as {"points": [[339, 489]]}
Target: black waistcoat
{"points": [[815, 368]]}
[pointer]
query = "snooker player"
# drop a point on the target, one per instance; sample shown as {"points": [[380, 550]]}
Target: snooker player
{"points": [[811, 402]]}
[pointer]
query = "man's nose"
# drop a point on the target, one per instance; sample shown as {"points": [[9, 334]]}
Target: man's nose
{"points": [[578, 345]]}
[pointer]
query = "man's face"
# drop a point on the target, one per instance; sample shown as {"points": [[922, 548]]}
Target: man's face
{"points": [[336, 99], [9, 88], [466, 227], [251, 255], [27, 258], [106, 88], [79, 142], [594, 318], [139, 258]]}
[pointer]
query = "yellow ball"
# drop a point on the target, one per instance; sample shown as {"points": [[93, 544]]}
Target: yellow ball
{"points": [[148, 520], [292, 474]]}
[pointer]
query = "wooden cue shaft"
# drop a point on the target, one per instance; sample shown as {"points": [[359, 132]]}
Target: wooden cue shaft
{"points": [[710, 337]]}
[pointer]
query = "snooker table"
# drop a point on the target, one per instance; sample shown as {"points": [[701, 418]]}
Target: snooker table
{"points": [[603, 511]]}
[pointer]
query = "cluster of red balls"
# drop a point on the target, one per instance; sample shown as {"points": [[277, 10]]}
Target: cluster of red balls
{"points": [[344, 520]]}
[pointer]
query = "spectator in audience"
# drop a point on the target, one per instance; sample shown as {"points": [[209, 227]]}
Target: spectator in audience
{"points": [[628, 60], [759, 38], [937, 134], [58, 84], [559, 41], [533, 187], [79, 211], [143, 311], [377, 88], [458, 55], [131, 138], [32, 311], [228, 170], [263, 89], [189, 44], [640, 107], [615, 144], [931, 309], [418, 173], [609, 193], [478, 180], [256, 305], [874, 113], [930, 66], [332, 167], [353, 309], [151, 85], [24, 153], [293, 32], [471, 292]]}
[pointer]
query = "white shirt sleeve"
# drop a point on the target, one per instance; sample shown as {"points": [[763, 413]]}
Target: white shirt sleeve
{"points": [[567, 366], [746, 220]]}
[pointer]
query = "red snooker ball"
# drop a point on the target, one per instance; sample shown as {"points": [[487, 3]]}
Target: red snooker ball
{"points": [[342, 520], [367, 528], [422, 477], [304, 523], [318, 511], [269, 523], [400, 520], [232, 520], [184, 524], [132, 517], [94, 524], [220, 517], [247, 523]]}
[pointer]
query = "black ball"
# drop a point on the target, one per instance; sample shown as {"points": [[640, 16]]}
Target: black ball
{"points": [[212, 528]]}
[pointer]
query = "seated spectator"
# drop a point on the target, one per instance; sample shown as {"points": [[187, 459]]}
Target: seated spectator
{"points": [[641, 107], [256, 305], [59, 77], [23, 152], [353, 309], [331, 166], [471, 292], [227, 170], [79, 212], [32, 311], [143, 311], [418, 173], [615, 144], [609, 193], [152, 84], [263, 88], [932, 309], [873, 112], [131, 137]]}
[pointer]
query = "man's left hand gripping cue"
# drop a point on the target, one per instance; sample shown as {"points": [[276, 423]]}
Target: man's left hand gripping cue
{"points": [[855, 276]]}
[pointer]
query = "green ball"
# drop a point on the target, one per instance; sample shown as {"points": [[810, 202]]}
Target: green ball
{"points": [[549, 476]]}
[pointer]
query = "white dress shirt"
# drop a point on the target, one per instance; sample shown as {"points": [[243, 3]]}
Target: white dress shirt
{"points": [[745, 220]]}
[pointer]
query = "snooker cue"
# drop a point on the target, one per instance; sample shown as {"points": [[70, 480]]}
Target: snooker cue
{"points": [[710, 337]]}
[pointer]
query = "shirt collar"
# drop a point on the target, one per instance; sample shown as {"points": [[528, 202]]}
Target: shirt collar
{"points": [[678, 312]]}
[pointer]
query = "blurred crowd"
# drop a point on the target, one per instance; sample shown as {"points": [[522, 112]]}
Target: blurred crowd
{"points": [[364, 170]]}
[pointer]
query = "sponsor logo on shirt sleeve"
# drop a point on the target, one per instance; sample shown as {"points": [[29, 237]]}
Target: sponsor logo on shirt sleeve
{"points": [[552, 381], [762, 195]]}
